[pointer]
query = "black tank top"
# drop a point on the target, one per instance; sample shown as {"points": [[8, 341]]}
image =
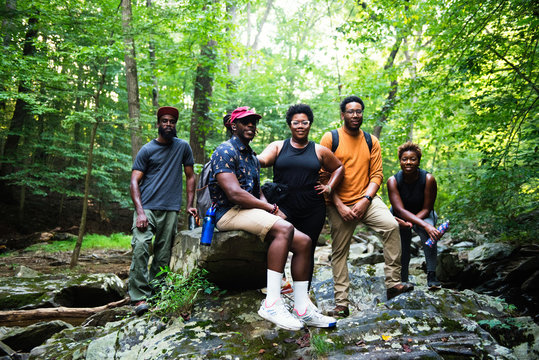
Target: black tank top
{"points": [[413, 194], [299, 169]]}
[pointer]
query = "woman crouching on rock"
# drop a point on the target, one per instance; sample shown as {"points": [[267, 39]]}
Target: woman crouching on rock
{"points": [[412, 192]]}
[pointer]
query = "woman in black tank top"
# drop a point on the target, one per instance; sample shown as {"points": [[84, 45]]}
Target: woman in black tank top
{"points": [[412, 192], [297, 163]]}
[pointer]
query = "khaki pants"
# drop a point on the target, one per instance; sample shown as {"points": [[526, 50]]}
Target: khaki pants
{"points": [[378, 218]]}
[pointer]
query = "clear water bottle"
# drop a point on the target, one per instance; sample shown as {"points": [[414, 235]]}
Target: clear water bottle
{"points": [[191, 222], [208, 226], [442, 229]]}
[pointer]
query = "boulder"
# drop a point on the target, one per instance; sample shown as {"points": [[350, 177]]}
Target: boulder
{"points": [[490, 251], [234, 260], [26, 338], [58, 290]]}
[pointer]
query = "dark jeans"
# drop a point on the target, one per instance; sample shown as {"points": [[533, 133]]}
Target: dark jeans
{"points": [[430, 252]]}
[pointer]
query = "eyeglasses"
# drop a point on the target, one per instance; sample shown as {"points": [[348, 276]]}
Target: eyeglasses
{"points": [[296, 123], [352, 112]]}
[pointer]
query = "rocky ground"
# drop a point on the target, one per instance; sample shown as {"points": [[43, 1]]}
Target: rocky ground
{"points": [[90, 262]]}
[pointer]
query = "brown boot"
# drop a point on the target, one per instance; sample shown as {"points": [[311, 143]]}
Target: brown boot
{"points": [[340, 311], [399, 289]]}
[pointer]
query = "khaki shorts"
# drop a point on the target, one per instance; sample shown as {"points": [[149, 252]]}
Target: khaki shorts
{"points": [[254, 221]]}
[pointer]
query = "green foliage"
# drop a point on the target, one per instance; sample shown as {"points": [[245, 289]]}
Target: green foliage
{"points": [[178, 292], [466, 75], [321, 344], [90, 241]]}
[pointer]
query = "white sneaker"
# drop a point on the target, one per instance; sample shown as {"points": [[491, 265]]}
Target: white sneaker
{"points": [[277, 314], [313, 306], [313, 318]]}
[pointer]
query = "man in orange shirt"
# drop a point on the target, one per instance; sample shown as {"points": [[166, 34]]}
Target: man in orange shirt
{"points": [[355, 201]]}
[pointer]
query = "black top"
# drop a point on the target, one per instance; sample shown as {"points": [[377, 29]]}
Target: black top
{"points": [[299, 169], [412, 195]]}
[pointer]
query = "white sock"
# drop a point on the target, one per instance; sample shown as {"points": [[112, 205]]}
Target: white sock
{"points": [[301, 296], [273, 286]]}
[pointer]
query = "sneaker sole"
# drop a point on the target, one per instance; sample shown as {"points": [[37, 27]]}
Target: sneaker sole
{"points": [[262, 314], [324, 326]]}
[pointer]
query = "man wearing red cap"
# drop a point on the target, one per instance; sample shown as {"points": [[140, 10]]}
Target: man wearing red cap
{"points": [[235, 188], [156, 191]]}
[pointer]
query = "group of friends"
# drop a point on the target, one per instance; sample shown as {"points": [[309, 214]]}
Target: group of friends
{"points": [[339, 177]]}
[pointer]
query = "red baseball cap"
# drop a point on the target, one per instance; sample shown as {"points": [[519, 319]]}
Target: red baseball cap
{"points": [[240, 113], [167, 110]]}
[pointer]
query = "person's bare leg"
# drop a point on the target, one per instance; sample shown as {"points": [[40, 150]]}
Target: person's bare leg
{"points": [[281, 233], [301, 256]]}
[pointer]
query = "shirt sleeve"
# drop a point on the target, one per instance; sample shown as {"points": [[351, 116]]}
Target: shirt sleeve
{"points": [[326, 140], [188, 159], [376, 173], [141, 160], [222, 160]]}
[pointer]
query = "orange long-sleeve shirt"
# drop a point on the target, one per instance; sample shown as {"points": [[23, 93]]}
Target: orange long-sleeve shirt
{"points": [[360, 167]]}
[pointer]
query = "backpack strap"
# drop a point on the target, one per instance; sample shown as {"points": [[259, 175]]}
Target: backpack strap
{"points": [[334, 140], [368, 139]]}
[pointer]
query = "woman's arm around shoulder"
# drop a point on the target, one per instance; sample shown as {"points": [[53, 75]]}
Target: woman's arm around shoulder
{"points": [[270, 153]]}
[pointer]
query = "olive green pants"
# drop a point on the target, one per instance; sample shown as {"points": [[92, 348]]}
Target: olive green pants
{"points": [[162, 224]]}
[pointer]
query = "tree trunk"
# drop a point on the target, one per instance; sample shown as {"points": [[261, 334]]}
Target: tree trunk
{"points": [[200, 121], [21, 114], [390, 101], [17, 316], [269, 5], [133, 102], [82, 228], [151, 48]]}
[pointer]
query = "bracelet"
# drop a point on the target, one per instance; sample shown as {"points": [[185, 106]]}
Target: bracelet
{"points": [[274, 210], [329, 186], [368, 198]]}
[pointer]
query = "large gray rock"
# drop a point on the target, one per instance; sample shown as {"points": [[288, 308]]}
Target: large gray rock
{"points": [[26, 338], [235, 259], [58, 290], [420, 324], [490, 251]]}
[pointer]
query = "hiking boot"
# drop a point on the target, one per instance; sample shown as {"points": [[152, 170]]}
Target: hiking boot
{"points": [[398, 289], [432, 282], [277, 314], [141, 307], [312, 318], [340, 311]]}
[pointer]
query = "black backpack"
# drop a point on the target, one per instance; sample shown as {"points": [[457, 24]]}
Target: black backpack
{"points": [[335, 140], [203, 192]]}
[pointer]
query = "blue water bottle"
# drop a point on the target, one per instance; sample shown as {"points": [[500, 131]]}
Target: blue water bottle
{"points": [[208, 226], [442, 229]]}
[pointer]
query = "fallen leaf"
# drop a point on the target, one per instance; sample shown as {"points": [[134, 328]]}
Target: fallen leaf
{"points": [[386, 337], [261, 351], [406, 348], [304, 341], [444, 339]]}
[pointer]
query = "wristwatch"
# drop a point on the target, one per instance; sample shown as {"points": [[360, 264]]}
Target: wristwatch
{"points": [[368, 198]]}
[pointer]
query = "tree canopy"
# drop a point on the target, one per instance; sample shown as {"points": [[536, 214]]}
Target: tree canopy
{"points": [[460, 78]]}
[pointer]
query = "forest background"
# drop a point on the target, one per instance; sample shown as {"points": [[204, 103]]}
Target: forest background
{"points": [[80, 82]]}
